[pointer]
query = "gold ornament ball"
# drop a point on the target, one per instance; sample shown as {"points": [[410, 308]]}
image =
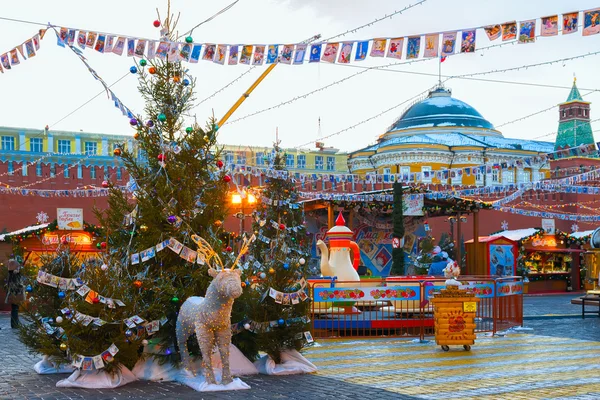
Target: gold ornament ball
{"points": [[218, 223], [271, 270], [143, 228], [63, 346], [205, 138]]}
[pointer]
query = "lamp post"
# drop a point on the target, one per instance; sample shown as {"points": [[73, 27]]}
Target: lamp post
{"points": [[243, 199]]}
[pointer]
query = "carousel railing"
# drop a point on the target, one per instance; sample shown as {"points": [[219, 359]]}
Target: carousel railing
{"points": [[400, 306]]}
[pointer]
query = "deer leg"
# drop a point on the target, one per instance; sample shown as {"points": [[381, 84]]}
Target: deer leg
{"points": [[182, 343], [223, 342], [206, 340]]}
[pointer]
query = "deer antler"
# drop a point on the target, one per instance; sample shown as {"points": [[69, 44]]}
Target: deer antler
{"points": [[207, 252], [243, 250]]}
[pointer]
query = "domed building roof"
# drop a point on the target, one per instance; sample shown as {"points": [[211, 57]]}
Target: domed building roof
{"points": [[440, 109]]}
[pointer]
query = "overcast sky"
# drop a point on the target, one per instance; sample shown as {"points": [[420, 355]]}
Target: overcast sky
{"points": [[46, 88]]}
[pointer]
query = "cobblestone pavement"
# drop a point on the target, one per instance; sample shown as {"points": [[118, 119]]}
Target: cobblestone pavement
{"points": [[560, 304], [556, 359]]}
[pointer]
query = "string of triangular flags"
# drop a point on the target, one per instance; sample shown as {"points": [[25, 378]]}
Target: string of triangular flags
{"points": [[409, 47], [27, 49]]}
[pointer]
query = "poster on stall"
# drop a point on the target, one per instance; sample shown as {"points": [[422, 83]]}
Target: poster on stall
{"points": [[69, 219], [502, 260]]}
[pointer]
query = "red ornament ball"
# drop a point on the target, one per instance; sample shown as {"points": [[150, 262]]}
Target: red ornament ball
{"points": [[104, 184], [152, 70], [103, 245], [156, 24], [219, 163], [160, 157], [227, 178], [117, 152], [281, 226], [137, 284], [228, 249], [96, 300]]}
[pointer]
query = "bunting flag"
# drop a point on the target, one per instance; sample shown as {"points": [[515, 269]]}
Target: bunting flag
{"points": [[27, 49], [413, 47], [448, 43], [493, 32], [549, 26], [527, 31], [431, 45], [570, 22], [509, 31], [591, 22], [395, 49]]}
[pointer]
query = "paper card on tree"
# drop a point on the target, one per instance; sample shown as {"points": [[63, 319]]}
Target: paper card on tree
{"points": [[40, 276], [110, 303], [77, 361], [91, 296], [87, 320], [303, 295], [308, 337], [298, 336], [137, 319], [98, 363], [113, 349], [82, 291], [272, 293], [135, 258], [99, 322], [172, 203], [302, 282], [102, 299], [65, 310], [175, 245], [129, 323], [286, 299], [55, 280], [155, 326], [106, 356], [294, 297], [119, 302], [200, 260], [279, 298], [162, 245], [71, 284], [78, 281]]}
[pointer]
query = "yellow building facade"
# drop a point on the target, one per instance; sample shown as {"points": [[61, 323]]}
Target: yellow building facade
{"points": [[441, 139]]}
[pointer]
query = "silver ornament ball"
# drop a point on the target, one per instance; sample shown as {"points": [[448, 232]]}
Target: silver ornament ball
{"points": [[59, 320]]}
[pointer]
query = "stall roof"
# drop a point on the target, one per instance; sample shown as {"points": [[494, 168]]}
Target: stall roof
{"points": [[517, 234], [24, 230], [579, 235]]}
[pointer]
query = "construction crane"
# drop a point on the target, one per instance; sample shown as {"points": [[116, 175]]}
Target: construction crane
{"points": [[247, 93]]}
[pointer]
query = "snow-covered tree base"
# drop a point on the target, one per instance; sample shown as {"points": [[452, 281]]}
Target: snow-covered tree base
{"points": [[199, 383], [99, 379], [46, 366], [292, 363], [150, 370]]}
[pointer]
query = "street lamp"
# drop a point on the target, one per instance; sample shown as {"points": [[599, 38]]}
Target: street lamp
{"points": [[242, 199]]}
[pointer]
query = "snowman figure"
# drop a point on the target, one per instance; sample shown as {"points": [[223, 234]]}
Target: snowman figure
{"points": [[451, 272]]}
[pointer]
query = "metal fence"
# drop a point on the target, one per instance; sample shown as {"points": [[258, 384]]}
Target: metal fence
{"points": [[400, 306]]}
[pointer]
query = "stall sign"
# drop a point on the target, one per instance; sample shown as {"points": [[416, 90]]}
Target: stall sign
{"points": [[544, 242], [73, 238], [509, 288], [367, 293], [548, 226], [70, 219], [413, 205]]}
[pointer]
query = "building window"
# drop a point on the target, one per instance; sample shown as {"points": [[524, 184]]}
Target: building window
{"points": [[38, 169], [10, 167], [289, 160], [142, 155], [91, 148], [508, 176], [8, 143], [52, 170], [387, 171], [66, 171], [36, 145], [24, 168], [260, 158], [241, 158], [79, 172], [105, 173], [495, 175], [330, 163], [92, 172], [228, 158], [318, 162], [478, 177], [301, 161], [119, 174], [584, 112], [64, 146], [426, 174], [457, 180]]}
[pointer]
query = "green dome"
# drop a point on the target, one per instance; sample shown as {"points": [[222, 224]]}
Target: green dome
{"points": [[440, 109]]}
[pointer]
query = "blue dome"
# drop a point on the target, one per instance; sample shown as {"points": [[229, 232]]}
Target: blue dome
{"points": [[440, 110]]}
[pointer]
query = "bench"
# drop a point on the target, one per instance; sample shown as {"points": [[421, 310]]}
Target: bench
{"points": [[590, 298]]}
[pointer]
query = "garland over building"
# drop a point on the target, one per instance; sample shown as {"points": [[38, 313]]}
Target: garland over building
{"points": [[443, 133]]}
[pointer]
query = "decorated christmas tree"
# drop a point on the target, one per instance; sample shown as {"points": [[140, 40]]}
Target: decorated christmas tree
{"points": [[276, 267], [107, 314]]}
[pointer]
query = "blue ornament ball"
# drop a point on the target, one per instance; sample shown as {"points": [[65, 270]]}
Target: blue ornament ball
{"points": [[281, 322], [29, 289], [186, 82], [133, 121], [128, 332], [286, 266], [149, 123], [247, 283], [61, 295], [133, 70]]}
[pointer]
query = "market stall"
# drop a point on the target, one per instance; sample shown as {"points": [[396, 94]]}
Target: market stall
{"points": [[496, 255]]}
